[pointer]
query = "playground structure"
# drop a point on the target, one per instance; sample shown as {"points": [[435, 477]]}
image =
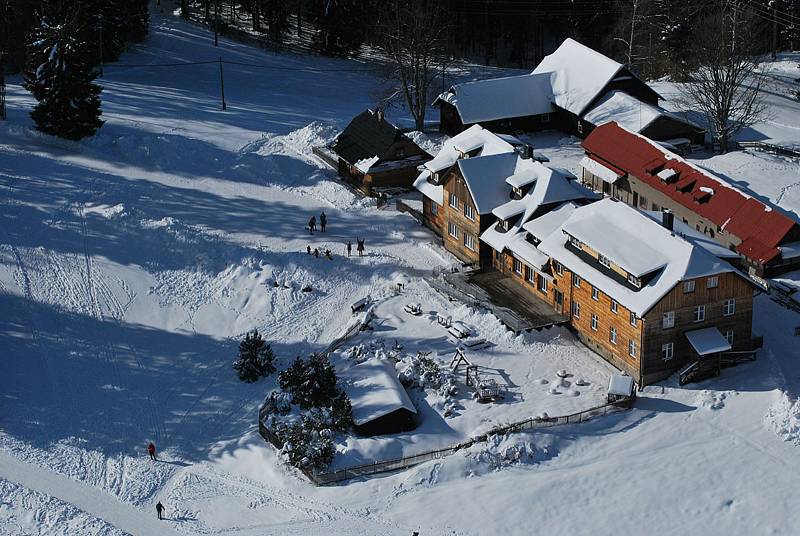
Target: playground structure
{"points": [[486, 389]]}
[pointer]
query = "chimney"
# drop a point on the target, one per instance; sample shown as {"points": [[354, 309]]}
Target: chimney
{"points": [[527, 151], [668, 219]]}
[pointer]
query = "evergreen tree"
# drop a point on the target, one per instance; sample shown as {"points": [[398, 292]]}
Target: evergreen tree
{"points": [[312, 382], [60, 77], [256, 358]]}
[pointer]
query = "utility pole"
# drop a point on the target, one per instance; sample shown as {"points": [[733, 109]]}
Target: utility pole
{"points": [[222, 85], [100, 28]]}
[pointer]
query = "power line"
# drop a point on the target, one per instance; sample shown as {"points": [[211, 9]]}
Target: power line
{"points": [[244, 64]]}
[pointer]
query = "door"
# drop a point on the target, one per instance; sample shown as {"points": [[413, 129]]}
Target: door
{"points": [[558, 302]]}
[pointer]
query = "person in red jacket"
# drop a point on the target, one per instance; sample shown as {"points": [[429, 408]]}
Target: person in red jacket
{"points": [[151, 450]]}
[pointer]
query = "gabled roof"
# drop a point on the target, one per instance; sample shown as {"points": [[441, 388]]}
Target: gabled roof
{"points": [[476, 137], [760, 227], [367, 139], [500, 98], [579, 74], [621, 233], [486, 179], [630, 112], [374, 390]]}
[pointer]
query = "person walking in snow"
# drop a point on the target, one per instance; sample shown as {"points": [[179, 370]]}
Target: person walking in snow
{"points": [[308, 250], [323, 221], [328, 254], [151, 450], [160, 510], [316, 252], [312, 224], [360, 246], [349, 248]]}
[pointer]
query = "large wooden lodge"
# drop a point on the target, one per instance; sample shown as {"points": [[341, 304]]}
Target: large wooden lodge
{"points": [[624, 165], [574, 89]]}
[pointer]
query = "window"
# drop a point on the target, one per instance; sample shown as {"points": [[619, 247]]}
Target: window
{"points": [[530, 275], [469, 212], [453, 200], [502, 225], [452, 230], [575, 242], [595, 293], [688, 287], [632, 348], [576, 280], [633, 319], [604, 261], [614, 306], [642, 202], [595, 322], [612, 335], [542, 284], [699, 313], [712, 282], [545, 118], [434, 208], [656, 208], [469, 241], [576, 309], [633, 280], [729, 336], [517, 266], [668, 320], [667, 351], [729, 307], [559, 268]]}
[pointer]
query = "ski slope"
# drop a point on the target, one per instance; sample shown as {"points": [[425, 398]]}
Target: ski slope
{"points": [[131, 262]]}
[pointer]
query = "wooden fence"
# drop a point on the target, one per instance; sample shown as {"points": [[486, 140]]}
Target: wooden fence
{"points": [[385, 466], [770, 148]]}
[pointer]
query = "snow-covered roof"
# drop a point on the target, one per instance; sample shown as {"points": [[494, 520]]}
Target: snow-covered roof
{"points": [[707, 341], [500, 98], [613, 236], [363, 165], [620, 385], [374, 390], [476, 137], [485, 177], [599, 170], [623, 234], [547, 224], [694, 236], [628, 111], [578, 74], [508, 210]]}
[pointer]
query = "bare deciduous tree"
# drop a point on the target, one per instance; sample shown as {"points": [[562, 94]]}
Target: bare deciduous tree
{"points": [[727, 84], [413, 38]]}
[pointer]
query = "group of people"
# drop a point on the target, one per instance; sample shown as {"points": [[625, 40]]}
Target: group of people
{"points": [[312, 223], [348, 247]]}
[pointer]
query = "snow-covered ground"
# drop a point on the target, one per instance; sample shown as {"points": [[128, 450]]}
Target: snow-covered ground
{"points": [[131, 262]]}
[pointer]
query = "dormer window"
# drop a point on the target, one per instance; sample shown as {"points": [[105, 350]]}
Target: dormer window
{"points": [[575, 242], [635, 281], [503, 225], [517, 193], [604, 261]]}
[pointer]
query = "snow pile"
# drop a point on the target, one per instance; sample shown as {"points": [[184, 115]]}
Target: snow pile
{"points": [[713, 400], [299, 142], [783, 417], [430, 142]]}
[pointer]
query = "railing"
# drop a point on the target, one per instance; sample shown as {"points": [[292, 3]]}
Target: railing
{"points": [[323, 154], [384, 466], [771, 148]]}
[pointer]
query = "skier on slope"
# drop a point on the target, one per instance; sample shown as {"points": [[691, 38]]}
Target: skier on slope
{"points": [[323, 221], [349, 248], [312, 224], [160, 510], [151, 450]]}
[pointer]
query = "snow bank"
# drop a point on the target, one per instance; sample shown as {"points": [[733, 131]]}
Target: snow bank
{"points": [[783, 418]]}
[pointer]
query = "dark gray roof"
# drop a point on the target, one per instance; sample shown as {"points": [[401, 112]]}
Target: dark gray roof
{"points": [[366, 136]]}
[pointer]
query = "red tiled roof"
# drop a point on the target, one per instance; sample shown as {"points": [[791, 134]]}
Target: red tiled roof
{"points": [[760, 227]]}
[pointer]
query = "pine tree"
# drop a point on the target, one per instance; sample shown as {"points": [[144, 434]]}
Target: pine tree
{"points": [[256, 358], [60, 77]]}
